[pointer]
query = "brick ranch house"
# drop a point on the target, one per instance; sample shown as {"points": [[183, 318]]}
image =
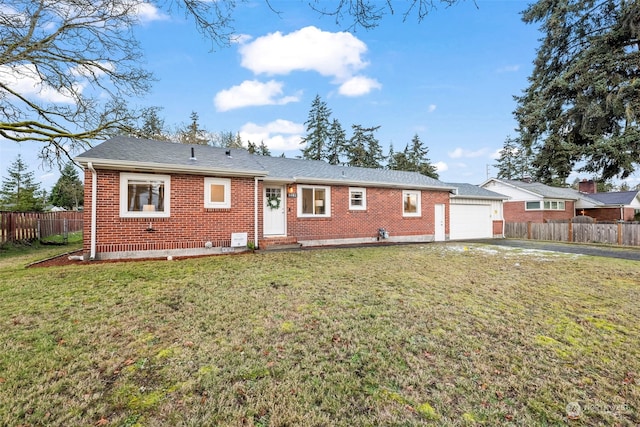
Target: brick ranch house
{"points": [[155, 199], [534, 201]]}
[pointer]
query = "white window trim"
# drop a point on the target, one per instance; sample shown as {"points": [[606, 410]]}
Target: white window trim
{"points": [[327, 192], [364, 199], [226, 182], [542, 203], [124, 195], [418, 211]]}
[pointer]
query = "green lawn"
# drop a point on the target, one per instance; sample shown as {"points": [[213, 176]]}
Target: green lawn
{"points": [[438, 334]]}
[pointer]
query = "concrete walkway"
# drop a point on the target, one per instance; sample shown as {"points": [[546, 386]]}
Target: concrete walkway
{"points": [[631, 253]]}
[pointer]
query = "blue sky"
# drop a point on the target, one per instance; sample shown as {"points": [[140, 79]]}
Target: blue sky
{"points": [[450, 79]]}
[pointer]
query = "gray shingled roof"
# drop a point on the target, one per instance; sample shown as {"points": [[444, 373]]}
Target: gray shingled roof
{"points": [[125, 152], [474, 191], [545, 190], [615, 198]]}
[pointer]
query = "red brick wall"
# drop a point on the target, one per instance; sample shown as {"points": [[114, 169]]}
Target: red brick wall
{"points": [[190, 225], [384, 210], [515, 212], [610, 214], [498, 228]]}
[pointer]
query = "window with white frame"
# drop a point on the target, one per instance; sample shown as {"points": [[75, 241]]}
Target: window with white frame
{"points": [[547, 205], [144, 195], [217, 193], [315, 201], [411, 203], [357, 199]]}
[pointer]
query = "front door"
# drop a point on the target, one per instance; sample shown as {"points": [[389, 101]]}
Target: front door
{"points": [[439, 223], [274, 211]]}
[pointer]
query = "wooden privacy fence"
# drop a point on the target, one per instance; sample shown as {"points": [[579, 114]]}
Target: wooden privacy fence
{"points": [[29, 226], [623, 233]]}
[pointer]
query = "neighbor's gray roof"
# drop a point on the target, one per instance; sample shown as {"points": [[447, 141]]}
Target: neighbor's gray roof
{"points": [[615, 198], [476, 192], [131, 153], [545, 191]]}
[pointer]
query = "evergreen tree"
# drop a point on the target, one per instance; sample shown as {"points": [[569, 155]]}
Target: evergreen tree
{"points": [[364, 149], [317, 130], [19, 190], [336, 143], [508, 162], [153, 126], [68, 192], [418, 159], [582, 101], [391, 161], [263, 150], [193, 133], [252, 148]]}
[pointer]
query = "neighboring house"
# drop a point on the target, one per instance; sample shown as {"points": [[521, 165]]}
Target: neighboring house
{"points": [[476, 213], [535, 202], [611, 206], [151, 199]]}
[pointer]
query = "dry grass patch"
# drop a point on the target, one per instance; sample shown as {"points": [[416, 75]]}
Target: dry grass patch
{"points": [[406, 335]]}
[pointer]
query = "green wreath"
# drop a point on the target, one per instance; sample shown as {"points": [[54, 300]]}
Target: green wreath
{"points": [[273, 202]]}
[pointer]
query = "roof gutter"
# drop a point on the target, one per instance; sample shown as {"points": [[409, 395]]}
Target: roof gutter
{"points": [[321, 181], [94, 209]]}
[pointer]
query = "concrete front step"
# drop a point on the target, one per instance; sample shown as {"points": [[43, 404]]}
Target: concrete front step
{"points": [[277, 247], [279, 243]]}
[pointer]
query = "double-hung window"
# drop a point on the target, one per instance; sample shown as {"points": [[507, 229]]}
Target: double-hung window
{"points": [[411, 203], [217, 193], [315, 201], [357, 199], [144, 195]]}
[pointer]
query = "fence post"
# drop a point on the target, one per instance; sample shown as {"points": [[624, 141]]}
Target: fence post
{"points": [[570, 235], [620, 240], [529, 230]]}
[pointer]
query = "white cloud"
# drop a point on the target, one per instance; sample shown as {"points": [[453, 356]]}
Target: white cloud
{"points": [[358, 85], [280, 134], [252, 93], [441, 166], [464, 153], [309, 49], [508, 69], [147, 12], [25, 80], [431, 108]]}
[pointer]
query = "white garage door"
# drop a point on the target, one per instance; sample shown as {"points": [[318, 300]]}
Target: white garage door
{"points": [[470, 222]]}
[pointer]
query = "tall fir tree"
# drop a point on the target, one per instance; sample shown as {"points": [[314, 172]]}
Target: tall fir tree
{"points": [[68, 192], [413, 159], [317, 130], [582, 102], [336, 143], [193, 133], [20, 192], [507, 164], [364, 149]]}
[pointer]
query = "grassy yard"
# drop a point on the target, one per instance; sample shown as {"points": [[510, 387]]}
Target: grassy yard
{"points": [[438, 334]]}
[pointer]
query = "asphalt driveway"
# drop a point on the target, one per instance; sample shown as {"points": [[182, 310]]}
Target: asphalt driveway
{"points": [[570, 248]]}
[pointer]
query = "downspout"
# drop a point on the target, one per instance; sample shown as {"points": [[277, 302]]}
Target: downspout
{"points": [[94, 209], [255, 212]]}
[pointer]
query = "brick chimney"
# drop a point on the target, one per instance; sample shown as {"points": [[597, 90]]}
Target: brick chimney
{"points": [[587, 186]]}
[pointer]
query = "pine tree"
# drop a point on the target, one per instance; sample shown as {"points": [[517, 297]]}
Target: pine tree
{"points": [[317, 130], [364, 149], [68, 192], [263, 150], [19, 190], [507, 165], [582, 101], [193, 133], [153, 126], [252, 148], [336, 143], [418, 158]]}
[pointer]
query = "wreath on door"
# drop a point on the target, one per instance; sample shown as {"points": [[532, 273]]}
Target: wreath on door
{"points": [[273, 201]]}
